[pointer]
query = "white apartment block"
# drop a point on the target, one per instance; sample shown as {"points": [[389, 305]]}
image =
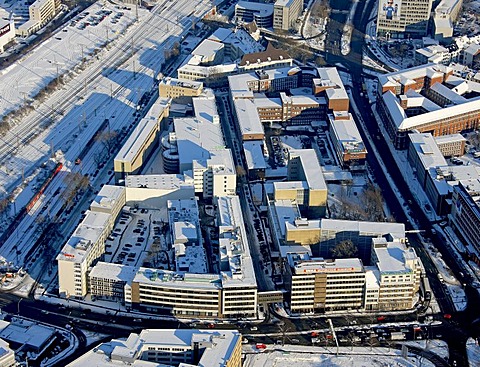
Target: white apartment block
{"points": [[445, 15], [42, 11], [83, 248], [168, 347]]}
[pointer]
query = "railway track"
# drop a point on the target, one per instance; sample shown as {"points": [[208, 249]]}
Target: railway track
{"points": [[22, 240]]}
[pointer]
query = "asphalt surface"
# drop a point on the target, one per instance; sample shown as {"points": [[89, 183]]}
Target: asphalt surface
{"points": [[462, 323]]}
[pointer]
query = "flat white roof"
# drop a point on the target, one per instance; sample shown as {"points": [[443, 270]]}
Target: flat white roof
{"points": [[205, 108], [207, 48], [113, 272], [196, 138], [220, 34], [136, 139], [220, 345], [221, 162], [28, 333], [320, 265], [254, 154], [247, 116], [177, 280], [262, 9], [107, 197], [427, 150], [391, 256], [241, 272], [86, 234], [451, 138], [347, 134], [311, 168], [161, 182], [286, 213], [182, 83], [397, 230]]}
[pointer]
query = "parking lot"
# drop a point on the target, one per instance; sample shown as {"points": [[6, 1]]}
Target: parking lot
{"points": [[138, 239]]}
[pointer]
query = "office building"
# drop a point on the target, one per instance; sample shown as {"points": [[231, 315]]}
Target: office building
{"points": [[230, 293], [175, 88], [197, 148], [292, 106], [249, 11], [451, 145], [7, 32], [218, 56], [403, 19], [305, 183], [390, 282], [465, 214], [426, 98], [107, 281], [286, 13], [434, 174], [142, 142], [85, 246], [41, 12], [168, 347], [348, 143], [444, 18]]}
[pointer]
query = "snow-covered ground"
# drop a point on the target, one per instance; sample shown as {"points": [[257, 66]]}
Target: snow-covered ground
{"points": [[473, 352], [300, 356], [109, 88], [439, 347]]}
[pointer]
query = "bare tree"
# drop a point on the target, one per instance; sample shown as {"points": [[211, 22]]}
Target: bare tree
{"points": [[5, 204], [372, 202], [76, 184], [240, 171], [345, 249], [107, 138]]}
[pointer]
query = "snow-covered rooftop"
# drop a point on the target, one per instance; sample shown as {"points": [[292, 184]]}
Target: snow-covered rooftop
{"points": [[390, 256], [161, 182], [397, 230], [311, 168], [247, 116], [254, 155], [174, 279], [346, 132], [107, 197], [113, 272], [427, 150], [235, 244], [196, 138], [88, 232], [320, 265], [219, 346]]}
